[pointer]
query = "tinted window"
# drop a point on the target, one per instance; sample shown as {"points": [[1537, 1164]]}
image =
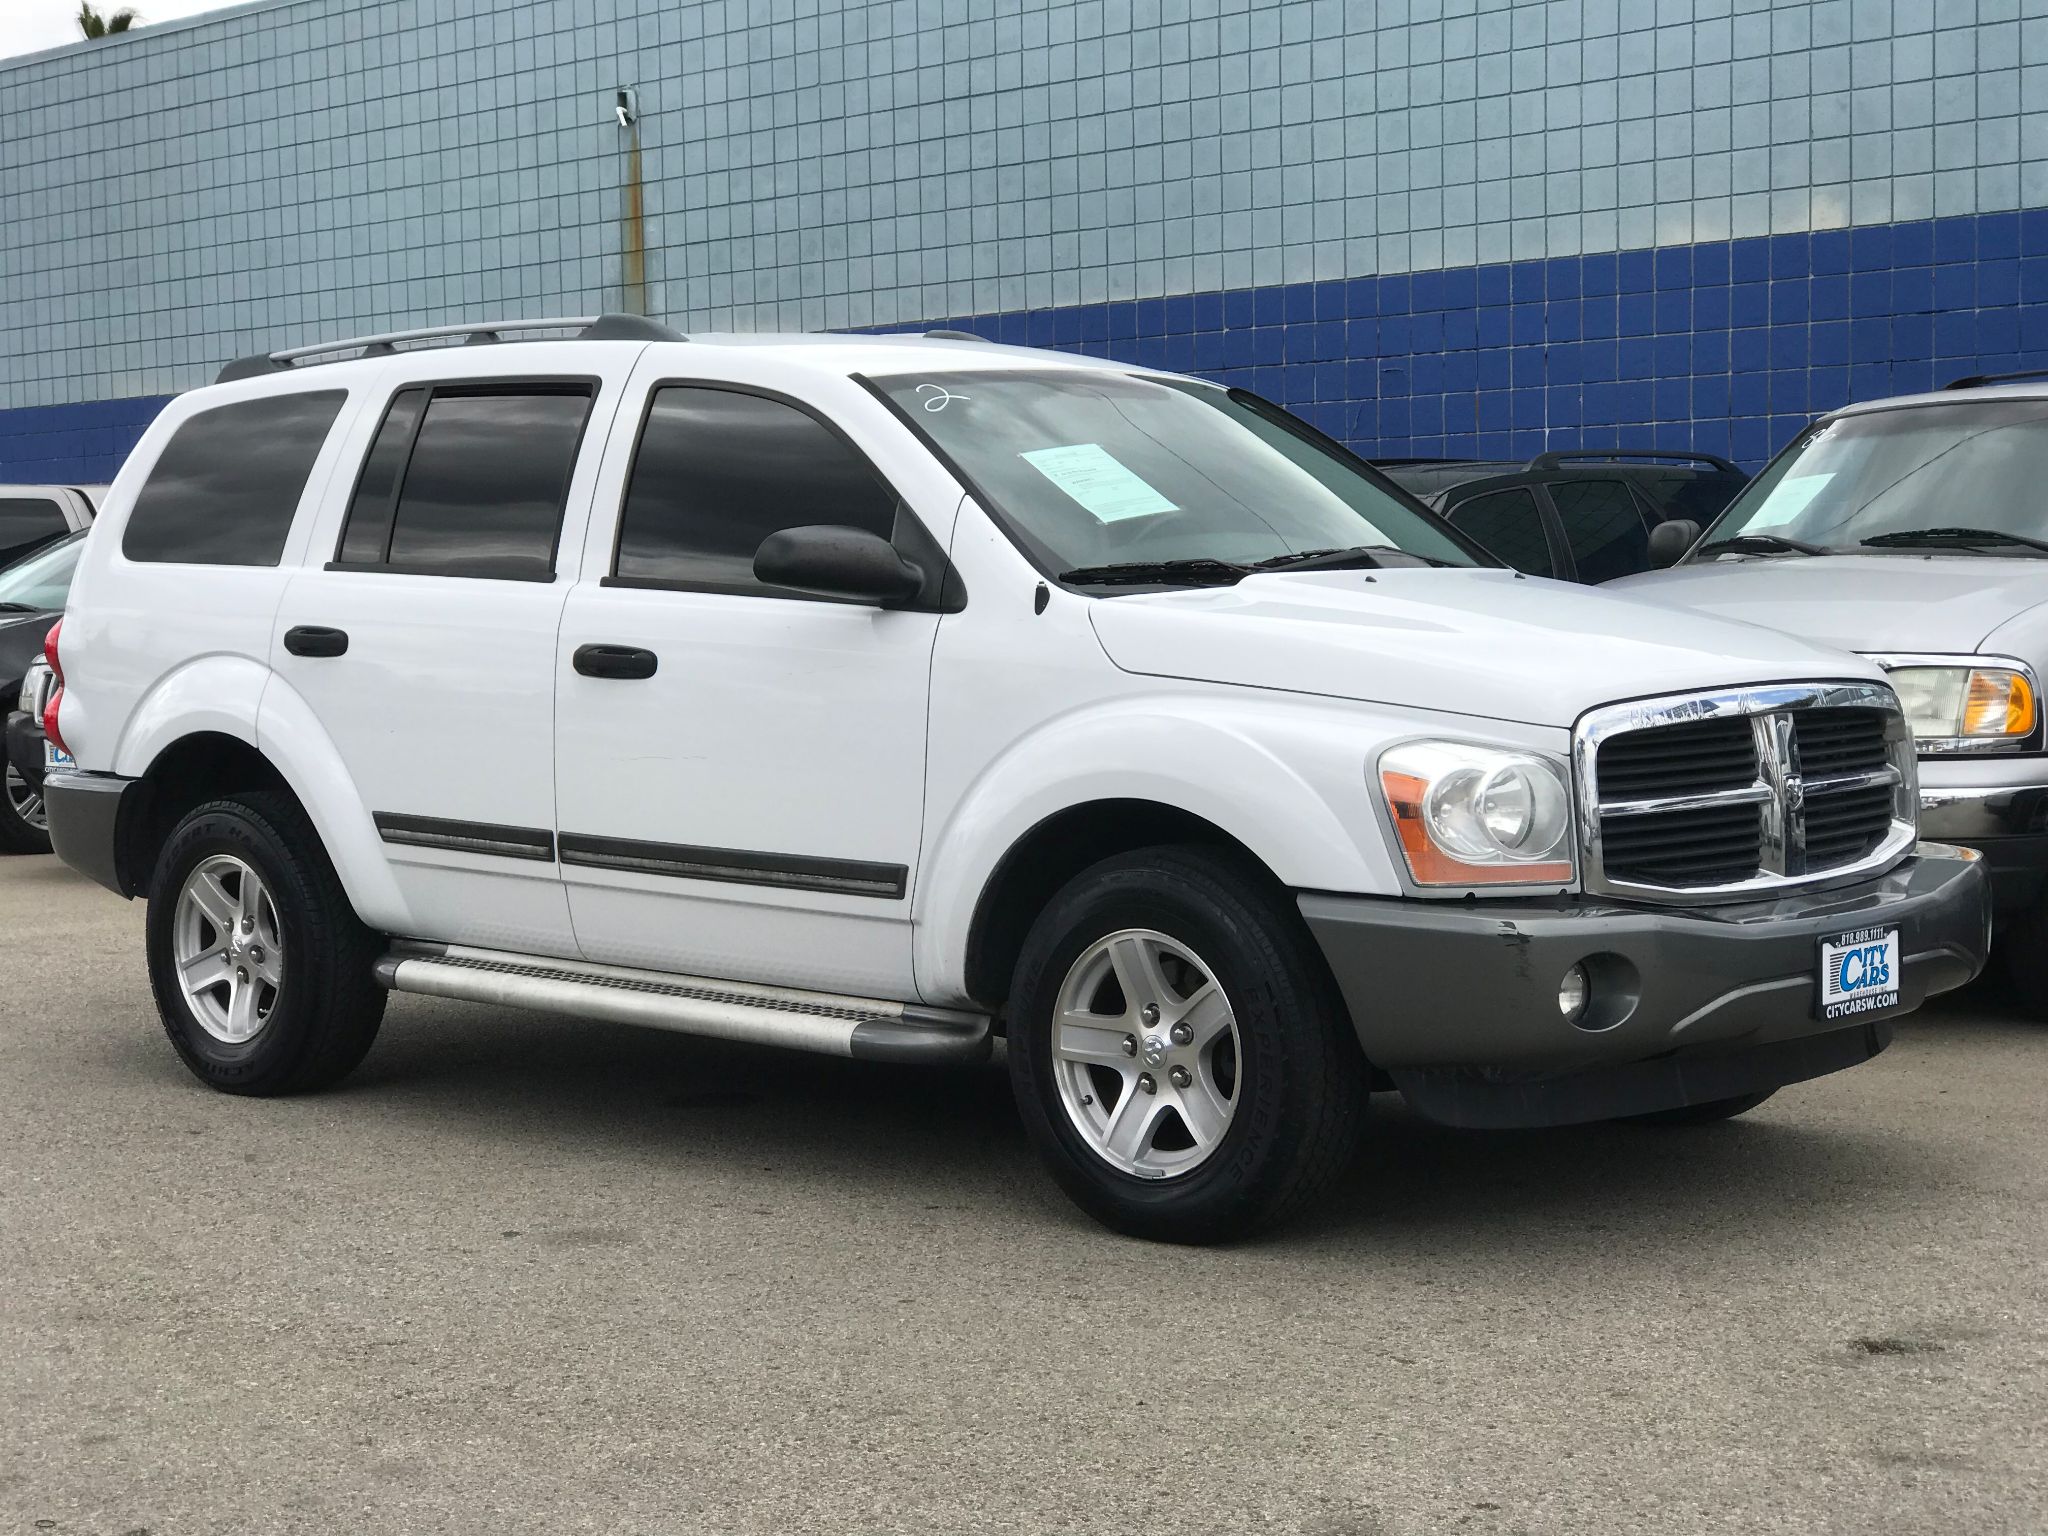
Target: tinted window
{"points": [[25, 523], [481, 492], [1509, 525], [717, 472], [1603, 527], [367, 533], [1699, 497], [226, 485]]}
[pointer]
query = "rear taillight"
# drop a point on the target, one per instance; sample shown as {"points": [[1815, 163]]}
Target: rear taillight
{"points": [[50, 731]]}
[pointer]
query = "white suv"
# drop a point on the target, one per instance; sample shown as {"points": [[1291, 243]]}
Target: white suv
{"points": [[881, 695]]}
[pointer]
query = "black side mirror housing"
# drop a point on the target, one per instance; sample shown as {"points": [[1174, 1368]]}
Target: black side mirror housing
{"points": [[1670, 540], [836, 561]]}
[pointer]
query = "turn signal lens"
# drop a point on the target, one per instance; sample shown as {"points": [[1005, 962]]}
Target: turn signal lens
{"points": [[1999, 703], [1468, 815]]}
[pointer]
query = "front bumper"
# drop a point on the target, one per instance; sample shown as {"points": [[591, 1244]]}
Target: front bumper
{"points": [[1458, 1001], [25, 746], [2000, 808]]}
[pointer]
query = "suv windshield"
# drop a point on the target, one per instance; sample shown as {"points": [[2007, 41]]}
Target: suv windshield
{"points": [[43, 580], [1965, 478], [1104, 475]]}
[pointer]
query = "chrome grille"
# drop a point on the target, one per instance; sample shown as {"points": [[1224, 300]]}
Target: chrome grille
{"points": [[1740, 793]]}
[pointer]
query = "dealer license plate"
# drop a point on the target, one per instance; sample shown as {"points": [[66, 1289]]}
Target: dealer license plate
{"points": [[1859, 973], [54, 758]]}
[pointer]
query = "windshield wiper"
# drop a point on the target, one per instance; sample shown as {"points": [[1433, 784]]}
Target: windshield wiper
{"points": [[1763, 544], [19, 608], [1932, 538], [1362, 556], [1159, 573]]}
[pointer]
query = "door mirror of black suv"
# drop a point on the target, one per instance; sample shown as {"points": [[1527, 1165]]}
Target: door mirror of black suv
{"points": [[1670, 540], [838, 562]]}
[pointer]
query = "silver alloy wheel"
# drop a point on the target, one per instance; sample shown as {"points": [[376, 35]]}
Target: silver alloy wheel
{"points": [[228, 948], [1145, 1054], [26, 801]]}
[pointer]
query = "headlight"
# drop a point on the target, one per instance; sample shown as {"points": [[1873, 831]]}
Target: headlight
{"points": [[1964, 707], [1469, 815]]}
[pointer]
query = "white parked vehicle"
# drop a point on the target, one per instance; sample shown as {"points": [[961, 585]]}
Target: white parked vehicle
{"points": [[1914, 531], [879, 695]]}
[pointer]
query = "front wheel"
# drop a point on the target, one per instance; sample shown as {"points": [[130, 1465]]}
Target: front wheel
{"points": [[24, 826], [261, 969], [1178, 1051]]}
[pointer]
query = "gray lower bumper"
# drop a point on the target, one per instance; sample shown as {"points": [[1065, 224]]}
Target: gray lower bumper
{"points": [[1464, 995], [85, 823], [2007, 823]]}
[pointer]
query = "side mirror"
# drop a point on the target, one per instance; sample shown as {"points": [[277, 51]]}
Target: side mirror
{"points": [[1670, 540], [837, 562]]}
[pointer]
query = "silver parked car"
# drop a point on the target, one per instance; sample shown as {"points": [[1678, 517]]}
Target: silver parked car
{"points": [[1915, 531]]}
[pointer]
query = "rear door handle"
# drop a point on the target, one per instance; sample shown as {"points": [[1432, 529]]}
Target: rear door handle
{"points": [[620, 661], [316, 640]]}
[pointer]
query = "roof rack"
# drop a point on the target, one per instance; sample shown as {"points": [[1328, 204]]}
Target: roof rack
{"points": [[952, 336], [1557, 459], [1979, 380], [476, 333]]}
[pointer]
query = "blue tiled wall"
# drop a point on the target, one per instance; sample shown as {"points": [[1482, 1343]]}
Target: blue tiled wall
{"points": [[1728, 346]]}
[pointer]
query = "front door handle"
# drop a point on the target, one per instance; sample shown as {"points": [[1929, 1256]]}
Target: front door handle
{"points": [[316, 640], [620, 661]]}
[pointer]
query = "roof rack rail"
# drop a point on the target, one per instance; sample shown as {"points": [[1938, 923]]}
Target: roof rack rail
{"points": [[1979, 380], [475, 333], [952, 336], [1557, 459]]}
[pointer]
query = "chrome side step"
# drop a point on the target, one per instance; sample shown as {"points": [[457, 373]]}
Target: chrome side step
{"points": [[866, 1028]]}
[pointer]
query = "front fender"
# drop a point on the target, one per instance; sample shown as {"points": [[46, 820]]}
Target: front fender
{"points": [[1286, 778]]}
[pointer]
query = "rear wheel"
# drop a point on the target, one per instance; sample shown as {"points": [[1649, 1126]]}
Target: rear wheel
{"points": [[261, 969], [1178, 1051], [24, 825]]}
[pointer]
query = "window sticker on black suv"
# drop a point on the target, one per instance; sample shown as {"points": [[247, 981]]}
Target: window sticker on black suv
{"points": [[717, 471], [225, 488], [468, 480]]}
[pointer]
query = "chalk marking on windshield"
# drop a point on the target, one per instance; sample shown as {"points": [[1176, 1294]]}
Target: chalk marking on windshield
{"points": [[939, 401]]}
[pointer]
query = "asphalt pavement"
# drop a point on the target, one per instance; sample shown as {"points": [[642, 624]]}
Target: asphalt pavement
{"points": [[523, 1274]]}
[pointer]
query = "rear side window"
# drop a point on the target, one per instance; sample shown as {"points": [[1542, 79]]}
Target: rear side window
{"points": [[718, 471], [1509, 525], [1603, 526], [26, 523], [227, 483], [468, 480]]}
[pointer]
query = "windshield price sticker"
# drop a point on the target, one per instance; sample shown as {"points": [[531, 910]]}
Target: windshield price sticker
{"points": [[1859, 972], [1100, 482], [1789, 497]]}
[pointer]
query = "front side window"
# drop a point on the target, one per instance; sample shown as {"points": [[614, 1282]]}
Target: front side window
{"points": [[718, 471], [226, 486], [1095, 469], [27, 523], [1603, 526], [468, 480], [42, 582], [1929, 478], [1510, 526]]}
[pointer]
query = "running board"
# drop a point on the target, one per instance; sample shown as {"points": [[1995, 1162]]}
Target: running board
{"points": [[865, 1028]]}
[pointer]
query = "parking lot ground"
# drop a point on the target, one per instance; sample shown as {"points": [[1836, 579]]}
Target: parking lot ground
{"points": [[524, 1274]]}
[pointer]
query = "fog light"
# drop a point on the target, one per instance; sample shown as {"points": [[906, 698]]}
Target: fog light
{"points": [[1572, 993]]}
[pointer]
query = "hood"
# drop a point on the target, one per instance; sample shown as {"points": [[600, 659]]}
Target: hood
{"points": [[1898, 602], [1477, 642]]}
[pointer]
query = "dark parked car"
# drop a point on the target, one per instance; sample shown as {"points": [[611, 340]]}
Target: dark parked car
{"points": [[1578, 516], [32, 595]]}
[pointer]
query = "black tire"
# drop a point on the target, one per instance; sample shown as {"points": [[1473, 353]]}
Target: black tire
{"points": [[1301, 1079], [2019, 945], [17, 834], [328, 1005], [1709, 1113]]}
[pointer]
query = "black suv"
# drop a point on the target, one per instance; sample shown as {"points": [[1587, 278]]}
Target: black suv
{"points": [[1581, 515]]}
